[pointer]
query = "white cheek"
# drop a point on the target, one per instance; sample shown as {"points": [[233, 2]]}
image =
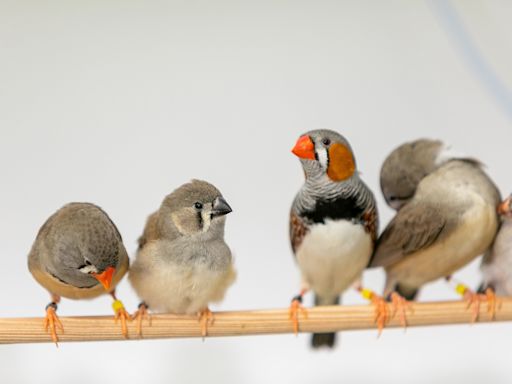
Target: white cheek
{"points": [[323, 158], [89, 269], [206, 220]]}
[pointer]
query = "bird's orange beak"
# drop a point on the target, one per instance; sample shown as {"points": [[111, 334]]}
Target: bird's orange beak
{"points": [[504, 207], [105, 278], [304, 148]]}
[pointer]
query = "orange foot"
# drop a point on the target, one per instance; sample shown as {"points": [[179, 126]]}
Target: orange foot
{"points": [[141, 314], [474, 300], [52, 322], [121, 314], [381, 308], [294, 310], [381, 317], [206, 318], [400, 305], [493, 303]]}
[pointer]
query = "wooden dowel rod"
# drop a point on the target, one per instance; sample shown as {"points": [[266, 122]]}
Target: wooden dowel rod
{"points": [[239, 323]]}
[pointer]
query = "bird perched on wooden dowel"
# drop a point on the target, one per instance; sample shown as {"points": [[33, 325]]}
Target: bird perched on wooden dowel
{"points": [[183, 263], [333, 224], [78, 254], [446, 218]]}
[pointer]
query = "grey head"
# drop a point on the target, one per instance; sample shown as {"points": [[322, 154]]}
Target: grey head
{"points": [[79, 245], [405, 167], [325, 153], [196, 208]]}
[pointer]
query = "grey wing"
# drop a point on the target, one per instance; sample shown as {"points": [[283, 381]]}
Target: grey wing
{"points": [[415, 227], [150, 230], [41, 244]]}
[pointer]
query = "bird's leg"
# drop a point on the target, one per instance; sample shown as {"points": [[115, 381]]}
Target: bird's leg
{"points": [[120, 313], [296, 308], [493, 303], [141, 314], [382, 312], [51, 321], [206, 318], [475, 299], [400, 305]]}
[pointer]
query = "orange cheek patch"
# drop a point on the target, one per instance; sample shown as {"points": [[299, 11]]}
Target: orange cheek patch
{"points": [[341, 163]]}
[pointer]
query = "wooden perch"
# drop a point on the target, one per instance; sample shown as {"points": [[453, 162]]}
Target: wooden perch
{"points": [[320, 319]]}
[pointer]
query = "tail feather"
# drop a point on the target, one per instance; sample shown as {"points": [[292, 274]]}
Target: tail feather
{"points": [[328, 340]]}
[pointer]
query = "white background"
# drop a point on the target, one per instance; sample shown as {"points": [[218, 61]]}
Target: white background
{"points": [[119, 102]]}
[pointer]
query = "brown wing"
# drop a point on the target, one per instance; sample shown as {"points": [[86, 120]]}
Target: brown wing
{"points": [[150, 230], [415, 227], [298, 230]]}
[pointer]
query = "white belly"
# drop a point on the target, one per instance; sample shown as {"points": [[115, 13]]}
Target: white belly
{"points": [[333, 255], [182, 289]]}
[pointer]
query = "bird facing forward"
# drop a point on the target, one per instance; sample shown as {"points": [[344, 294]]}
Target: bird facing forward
{"points": [[449, 217], [333, 222], [183, 263], [79, 254]]}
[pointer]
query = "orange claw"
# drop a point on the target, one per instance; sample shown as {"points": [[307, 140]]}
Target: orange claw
{"points": [[205, 318], [121, 314], [141, 314], [473, 301], [493, 304], [400, 305], [293, 313], [381, 312], [52, 322]]}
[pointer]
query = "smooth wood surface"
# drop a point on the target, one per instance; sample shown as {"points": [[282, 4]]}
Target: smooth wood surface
{"points": [[320, 319]]}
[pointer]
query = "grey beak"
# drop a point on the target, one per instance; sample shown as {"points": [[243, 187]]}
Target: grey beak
{"points": [[220, 207]]}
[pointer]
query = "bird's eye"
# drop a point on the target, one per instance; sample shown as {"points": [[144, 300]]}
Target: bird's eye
{"points": [[392, 198], [198, 205], [326, 141], [87, 262]]}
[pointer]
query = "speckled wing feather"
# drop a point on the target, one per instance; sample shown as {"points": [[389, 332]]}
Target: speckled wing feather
{"points": [[371, 222], [298, 230], [150, 230], [415, 227]]}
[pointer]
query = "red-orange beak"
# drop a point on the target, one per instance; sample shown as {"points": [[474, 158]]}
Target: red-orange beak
{"points": [[504, 207], [105, 278], [304, 148]]}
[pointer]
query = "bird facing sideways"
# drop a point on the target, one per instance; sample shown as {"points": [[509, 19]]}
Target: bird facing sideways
{"points": [[78, 254], [497, 264], [333, 222], [448, 216], [183, 263]]}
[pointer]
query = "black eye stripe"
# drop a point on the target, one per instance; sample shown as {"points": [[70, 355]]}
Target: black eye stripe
{"points": [[200, 220]]}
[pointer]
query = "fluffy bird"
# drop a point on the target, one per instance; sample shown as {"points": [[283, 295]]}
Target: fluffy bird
{"points": [[497, 264], [447, 216], [78, 254], [183, 263], [333, 222]]}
